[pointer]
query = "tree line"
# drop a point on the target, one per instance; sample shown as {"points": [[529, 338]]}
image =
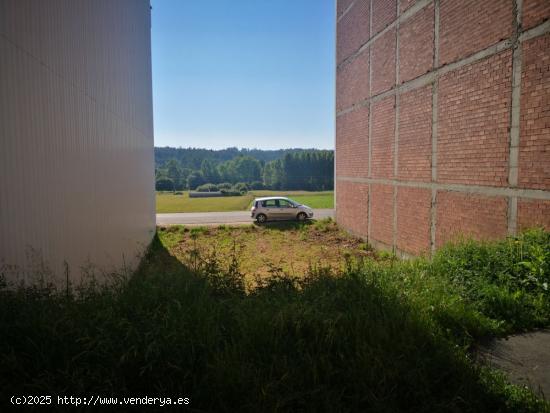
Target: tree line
{"points": [[307, 169], [192, 158]]}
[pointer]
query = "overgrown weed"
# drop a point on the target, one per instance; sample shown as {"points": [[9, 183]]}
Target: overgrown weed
{"points": [[387, 335]]}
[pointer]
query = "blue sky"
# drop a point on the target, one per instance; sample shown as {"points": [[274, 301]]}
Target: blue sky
{"points": [[245, 73]]}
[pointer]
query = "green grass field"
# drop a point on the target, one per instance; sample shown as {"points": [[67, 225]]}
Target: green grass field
{"points": [[167, 202]]}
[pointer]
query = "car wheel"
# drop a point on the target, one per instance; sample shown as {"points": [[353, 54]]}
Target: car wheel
{"points": [[301, 216], [261, 218]]}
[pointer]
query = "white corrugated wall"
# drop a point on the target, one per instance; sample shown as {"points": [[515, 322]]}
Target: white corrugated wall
{"points": [[76, 135]]}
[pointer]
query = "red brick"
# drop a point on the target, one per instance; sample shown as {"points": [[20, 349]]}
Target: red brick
{"points": [[352, 143], [535, 12], [342, 6], [416, 44], [383, 13], [415, 135], [383, 63], [474, 116], [533, 213], [352, 206], [474, 112], [413, 220], [471, 216], [383, 137], [381, 204], [353, 30], [468, 26], [405, 4], [534, 142], [352, 81]]}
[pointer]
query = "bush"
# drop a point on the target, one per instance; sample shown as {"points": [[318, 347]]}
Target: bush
{"points": [[230, 192], [474, 290], [508, 281], [224, 185], [257, 185], [207, 188], [164, 184], [241, 187]]}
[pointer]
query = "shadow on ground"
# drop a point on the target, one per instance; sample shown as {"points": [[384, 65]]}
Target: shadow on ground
{"points": [[335, 344], [285, 225]]}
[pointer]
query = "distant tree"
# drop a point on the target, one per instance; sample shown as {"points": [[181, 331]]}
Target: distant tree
{"points": [[193, 157], [247, 169], [184, 174], [273, 175], [194, 180], [173, 172], [209, 171], [164, 184], [225, 172], [293, 169], [267, 174]]}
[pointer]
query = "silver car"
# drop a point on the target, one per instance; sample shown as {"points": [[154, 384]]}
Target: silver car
{"points": [[279, 207]]}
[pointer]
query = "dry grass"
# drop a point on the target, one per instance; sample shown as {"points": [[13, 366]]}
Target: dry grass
{"points": [[280, 247]]}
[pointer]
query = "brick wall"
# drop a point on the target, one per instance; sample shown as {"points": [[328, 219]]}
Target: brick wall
{"points": [[535, 12], [383, 63], [534, 148], [468, 26], [352, 143], [383, 13], [353, 197], [416, 40], [473, 121], [382, 139], [381, 205], [470, 215], [443, 120], [413, 219], [415, 135], [533, 213], [352, 82]]}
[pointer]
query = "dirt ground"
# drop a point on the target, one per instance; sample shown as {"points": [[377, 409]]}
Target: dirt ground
{"points": [[289, 248]]}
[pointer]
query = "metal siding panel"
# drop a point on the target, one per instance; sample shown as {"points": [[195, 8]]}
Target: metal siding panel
{"points": [[76, 133]]}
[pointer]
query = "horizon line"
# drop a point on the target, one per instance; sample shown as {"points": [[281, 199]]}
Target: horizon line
{"points": [[242, 148]]}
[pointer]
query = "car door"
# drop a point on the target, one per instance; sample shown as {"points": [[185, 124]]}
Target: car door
{"points": [[286, 209], [270, 207]]}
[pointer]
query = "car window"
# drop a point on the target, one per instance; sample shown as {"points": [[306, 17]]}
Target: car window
{"points": [[269, 203], [283, 203]]}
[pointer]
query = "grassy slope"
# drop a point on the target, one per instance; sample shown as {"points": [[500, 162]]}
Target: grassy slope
{"points": [[167, 202], [385, 336]]}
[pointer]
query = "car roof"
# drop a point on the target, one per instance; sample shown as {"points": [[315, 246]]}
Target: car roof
{"points": [[265, 198]]}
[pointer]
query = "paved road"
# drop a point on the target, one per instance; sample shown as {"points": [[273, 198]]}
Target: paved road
{"points": [[216, 218], [525, 358]]}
